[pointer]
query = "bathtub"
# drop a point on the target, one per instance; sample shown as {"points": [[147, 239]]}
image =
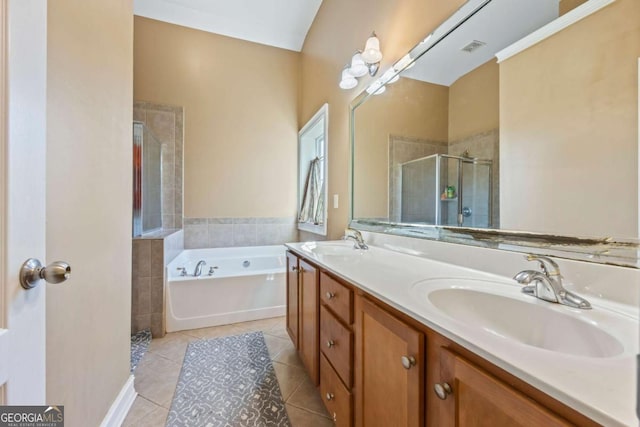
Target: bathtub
{"points": [[247, 284]]}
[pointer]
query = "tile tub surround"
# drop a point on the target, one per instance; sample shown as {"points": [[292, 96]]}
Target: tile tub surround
{"points": [[235, 232], [150, 255], [166, 122]]}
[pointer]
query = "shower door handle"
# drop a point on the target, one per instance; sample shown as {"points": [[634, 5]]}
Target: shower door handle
{"points": [[32, 272]]}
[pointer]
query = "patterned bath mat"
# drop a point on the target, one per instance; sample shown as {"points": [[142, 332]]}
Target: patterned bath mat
{"points": [[139, 345], [228, 382]]}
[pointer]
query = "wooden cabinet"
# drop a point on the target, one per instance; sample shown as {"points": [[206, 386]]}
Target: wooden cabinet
{"points": [[389, 367], [309, 319], [471, 397], [292, 298]]}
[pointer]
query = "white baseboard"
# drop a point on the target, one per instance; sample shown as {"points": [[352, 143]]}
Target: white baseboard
{"points": [[120, 407]]}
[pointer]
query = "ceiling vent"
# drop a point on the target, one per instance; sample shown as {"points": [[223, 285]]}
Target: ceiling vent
{"points": [[474, 45]]}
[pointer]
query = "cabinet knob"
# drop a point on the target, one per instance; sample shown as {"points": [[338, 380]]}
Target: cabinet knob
{"points": [[330, 343], [301, 269], [330, 295], [294, 268], [442, 390], [335, 417], [408, 361], [330, 396]]}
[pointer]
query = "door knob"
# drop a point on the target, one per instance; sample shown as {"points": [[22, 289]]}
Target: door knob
{"points": [[32, 272]]}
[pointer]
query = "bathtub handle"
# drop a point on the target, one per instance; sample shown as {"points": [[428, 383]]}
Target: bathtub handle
{"points": [[330, 295]]}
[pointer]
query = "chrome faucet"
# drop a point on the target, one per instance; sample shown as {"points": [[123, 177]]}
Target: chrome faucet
{"points": [[198, 271], [547, 284], [350, 233]]}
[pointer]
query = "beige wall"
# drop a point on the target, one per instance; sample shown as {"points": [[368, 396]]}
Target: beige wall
{"points": [[408, 108], [569, 117], [89, 157], [473, 102], [240, 104], [340, 28]]}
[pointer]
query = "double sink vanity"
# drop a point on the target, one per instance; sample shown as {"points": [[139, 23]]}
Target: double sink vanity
{"points": [[391, 337]]}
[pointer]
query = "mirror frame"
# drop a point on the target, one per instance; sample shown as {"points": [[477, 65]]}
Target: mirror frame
{"points": [[623, 252]]}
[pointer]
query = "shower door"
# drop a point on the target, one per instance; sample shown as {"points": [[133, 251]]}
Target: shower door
{"points": [[475, 204]]}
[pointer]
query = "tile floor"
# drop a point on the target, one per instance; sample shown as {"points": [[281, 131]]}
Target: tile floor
{"points": [[157, 374]]}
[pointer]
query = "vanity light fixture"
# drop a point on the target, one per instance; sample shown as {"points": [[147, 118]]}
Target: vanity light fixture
{"points": [[363, 63], [347, 81]]}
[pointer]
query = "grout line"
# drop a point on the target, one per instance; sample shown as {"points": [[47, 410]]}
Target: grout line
{"points": [[325, 415]]}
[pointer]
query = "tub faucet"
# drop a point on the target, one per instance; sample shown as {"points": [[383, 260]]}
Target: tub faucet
{"points": [[198, 271], [547, 284], [350, 233]]}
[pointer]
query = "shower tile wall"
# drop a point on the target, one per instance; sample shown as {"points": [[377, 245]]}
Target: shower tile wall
{"points": [[229, 232], [151, 254], [166, 122]]}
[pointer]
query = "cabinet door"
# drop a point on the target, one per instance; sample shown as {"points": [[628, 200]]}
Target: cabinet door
{"points": [[292, 298], [389, 369], [477, 399], [309, 319]]}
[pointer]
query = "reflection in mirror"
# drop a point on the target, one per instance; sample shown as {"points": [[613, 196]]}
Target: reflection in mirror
{"points": [[312, 173], [481, 132], [147, 181]]}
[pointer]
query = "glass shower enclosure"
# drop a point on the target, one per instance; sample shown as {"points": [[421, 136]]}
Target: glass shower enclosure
{"points": [[441, 189], [147, 181]]}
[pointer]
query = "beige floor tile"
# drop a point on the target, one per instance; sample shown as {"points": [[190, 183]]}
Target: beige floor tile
{"points": [[276, 345], [289, 378], [301, 418], [141, 407], [279, 329], [258, 325], [215, 331], [156, 378], [156, 418], [172, 346], [306, 396], [289, 356]]}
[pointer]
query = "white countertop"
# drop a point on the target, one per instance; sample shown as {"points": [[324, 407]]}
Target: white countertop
{"points": [[603, 389]]}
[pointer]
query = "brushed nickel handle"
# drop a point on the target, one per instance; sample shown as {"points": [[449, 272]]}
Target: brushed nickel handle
{"points": [[294, 268], [442, 390], [32, 272], [335, 417], [330, 295], [408, 361], [330, 396], [330, 343], [301, 270]]}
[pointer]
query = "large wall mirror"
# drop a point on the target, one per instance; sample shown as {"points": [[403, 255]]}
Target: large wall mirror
{"points": [[511, 115]]}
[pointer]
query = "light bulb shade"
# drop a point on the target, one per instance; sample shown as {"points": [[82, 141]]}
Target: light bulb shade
{"points": [[347, 81], [372, 54], [358, 68]]}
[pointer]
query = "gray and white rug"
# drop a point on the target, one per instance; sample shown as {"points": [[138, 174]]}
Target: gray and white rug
{"points": [[139, 345], [228, 382]]}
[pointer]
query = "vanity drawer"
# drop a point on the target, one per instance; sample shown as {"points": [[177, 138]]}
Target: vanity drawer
{"points": [[337, 296], [336, 398], [336, 342]]}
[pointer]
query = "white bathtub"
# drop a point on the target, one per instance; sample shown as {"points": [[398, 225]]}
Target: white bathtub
{"points": [[249, 284]]}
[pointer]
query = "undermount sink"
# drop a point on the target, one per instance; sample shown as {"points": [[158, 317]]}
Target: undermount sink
{"points": [[332, 248], [501, 310]]}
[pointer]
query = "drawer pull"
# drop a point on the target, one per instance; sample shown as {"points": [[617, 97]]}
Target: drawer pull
{"points": [[330, 396], [335, 417], [408, 361], [442, 390], [330, 343], [294, 268], [330, 295], [301, 270]]}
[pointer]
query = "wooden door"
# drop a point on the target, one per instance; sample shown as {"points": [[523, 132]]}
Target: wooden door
{"points": [[478, 399], [388, 394], [292, 298], [309, 320]]}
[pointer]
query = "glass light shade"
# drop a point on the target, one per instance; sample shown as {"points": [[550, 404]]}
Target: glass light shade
{"points": [[376, 88], [372, 54], [391, 76], [347, 81], [358, 68]]}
